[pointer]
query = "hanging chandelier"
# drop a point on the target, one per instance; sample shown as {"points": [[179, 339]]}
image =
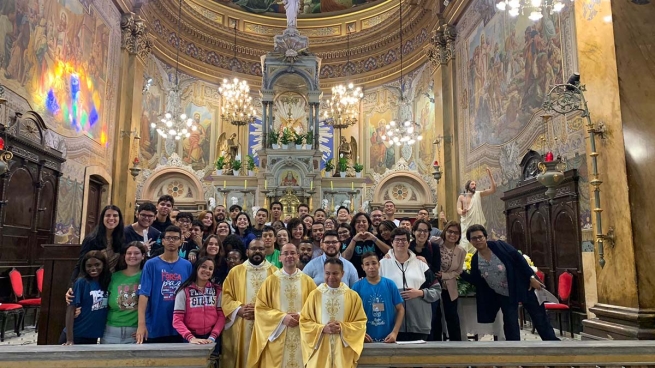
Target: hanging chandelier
{"points": [[343, 105], [534, 8], [237, 103], [405, 132], [174, 123]]}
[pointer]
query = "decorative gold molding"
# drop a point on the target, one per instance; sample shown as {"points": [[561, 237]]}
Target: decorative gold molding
{"points": [[134, 35], [441, 49]]}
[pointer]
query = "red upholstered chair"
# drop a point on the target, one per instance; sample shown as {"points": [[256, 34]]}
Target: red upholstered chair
{"points": [[33, 303], [8, 310], [564, 288]]}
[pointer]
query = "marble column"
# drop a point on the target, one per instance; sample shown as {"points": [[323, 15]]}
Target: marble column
{"points": [[441, 53], [616, 43], [135, 48]]}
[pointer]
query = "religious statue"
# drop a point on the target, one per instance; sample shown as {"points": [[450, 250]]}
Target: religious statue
{"points": [[292, 8], [289, 180], [346, 150], [233, 146]]}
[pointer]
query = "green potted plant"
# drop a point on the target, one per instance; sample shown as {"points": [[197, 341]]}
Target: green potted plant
{"points": [[250, 164], [329, 166], [298, 139], [309, 140], [358, 169], [219, 164], [236, 166], [287, 137], [343, 166], [273, 139]]}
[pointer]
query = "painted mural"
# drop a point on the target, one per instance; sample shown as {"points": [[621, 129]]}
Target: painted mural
{"points": [[55, 54], [511, 63], [307, 7], [505, 67], [196, 148]]}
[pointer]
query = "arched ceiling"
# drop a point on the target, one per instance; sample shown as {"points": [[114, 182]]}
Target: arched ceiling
{"points": [[371, 29]]}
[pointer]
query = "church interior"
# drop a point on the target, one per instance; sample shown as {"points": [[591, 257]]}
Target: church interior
{"points": [[342, 103]]}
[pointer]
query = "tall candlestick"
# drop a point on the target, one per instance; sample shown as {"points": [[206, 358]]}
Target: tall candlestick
{"points": [[352, 185], [265, 184], [331, 185], [311, 185], [245, 184], [224, 183]]}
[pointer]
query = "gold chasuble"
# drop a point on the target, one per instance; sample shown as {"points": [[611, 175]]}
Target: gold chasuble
{"points": [[274, 345], [240, 287], [331, 350]]}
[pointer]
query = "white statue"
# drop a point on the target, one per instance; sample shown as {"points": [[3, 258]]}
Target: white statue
{"points": [[292, 8]]}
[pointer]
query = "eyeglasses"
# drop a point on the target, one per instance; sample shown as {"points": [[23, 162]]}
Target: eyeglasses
{"points": [[183, 221], [400, 240], [344, 233], [146, 216], [477, 238], [450, 232], [331, 242], [172, 238], [421, 231]]}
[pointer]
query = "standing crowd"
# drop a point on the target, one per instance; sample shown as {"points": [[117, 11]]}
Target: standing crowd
{"points": [[273, 292]]}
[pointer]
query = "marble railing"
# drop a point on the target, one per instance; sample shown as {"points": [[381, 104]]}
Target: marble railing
{"points": [[628, 354]]}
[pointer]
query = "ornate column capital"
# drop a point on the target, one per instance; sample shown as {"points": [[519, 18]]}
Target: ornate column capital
{"points": [[134, 35], [441, 49]]}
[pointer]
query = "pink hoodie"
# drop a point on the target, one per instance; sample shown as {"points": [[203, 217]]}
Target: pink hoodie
{"points": [[197, 312]]}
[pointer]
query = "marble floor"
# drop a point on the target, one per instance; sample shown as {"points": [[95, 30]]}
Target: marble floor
{"points": [[28, 337]]}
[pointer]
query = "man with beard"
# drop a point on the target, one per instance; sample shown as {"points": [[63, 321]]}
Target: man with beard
{"points": [[239, 295], [165, 204], [376, 219], [318, 229], [143, 225], [330, 245], [219, 213], [332, 337], [305, 252], [276, 339], [469, 207]]}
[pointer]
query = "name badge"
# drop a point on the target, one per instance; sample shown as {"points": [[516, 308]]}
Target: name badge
{"points": [[378, 307]]}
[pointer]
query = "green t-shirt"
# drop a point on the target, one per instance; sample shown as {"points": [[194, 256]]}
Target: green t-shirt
{"points": [[274, 259], [123, 300]]}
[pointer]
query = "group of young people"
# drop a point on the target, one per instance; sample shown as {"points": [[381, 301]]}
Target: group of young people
{"points": [[276, 293]]}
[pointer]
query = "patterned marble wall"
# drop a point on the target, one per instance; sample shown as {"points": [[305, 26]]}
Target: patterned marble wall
{"points": [[56, 59], [505, 67]]}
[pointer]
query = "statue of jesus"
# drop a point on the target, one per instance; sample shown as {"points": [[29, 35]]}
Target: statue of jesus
{"points": [[292, 8]]}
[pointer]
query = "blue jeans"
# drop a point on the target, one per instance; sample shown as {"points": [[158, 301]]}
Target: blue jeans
{"points": [[118, 335]]}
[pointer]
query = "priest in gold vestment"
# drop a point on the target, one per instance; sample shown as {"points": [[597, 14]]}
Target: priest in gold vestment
{"points": [[332, 322], [239, 295], [275, 342]]}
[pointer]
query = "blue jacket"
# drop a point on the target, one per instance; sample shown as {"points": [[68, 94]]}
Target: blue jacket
{"points": [[518, 280]]}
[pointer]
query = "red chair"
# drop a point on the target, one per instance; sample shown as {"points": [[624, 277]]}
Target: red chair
{"points": [[564, 288], [33, 303]]}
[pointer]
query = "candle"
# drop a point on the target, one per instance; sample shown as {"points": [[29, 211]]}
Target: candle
{"points": [[549, 156], [331, 185], [245, 184], [311, 185], [352, 185], [224, 183], [265, 184]]}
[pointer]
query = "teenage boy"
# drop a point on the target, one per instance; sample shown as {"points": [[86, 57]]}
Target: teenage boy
{"points": [[272, 255], [343, 215], [235, 210], [134, 232], [191, 245], [260, 220], [383, 304], [160, 279], [320, 215], [165, 204], [303, 209], [276, 211]]}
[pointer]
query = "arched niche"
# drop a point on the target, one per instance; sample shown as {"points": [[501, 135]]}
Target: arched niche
{"points": [[281, 167], [407, 190], [186, 189]]}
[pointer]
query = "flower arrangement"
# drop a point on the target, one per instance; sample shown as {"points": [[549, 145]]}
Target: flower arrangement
{"points": [[287, 136], [273, 136], [329, 165], [298, 138], [250, 162], [529, 260], [464, 288], [220, 163], [343, 164], [236, 165], [358, 167], [309, 137]]}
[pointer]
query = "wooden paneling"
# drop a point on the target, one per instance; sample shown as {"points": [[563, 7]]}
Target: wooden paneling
{"points": [[93, 205]]}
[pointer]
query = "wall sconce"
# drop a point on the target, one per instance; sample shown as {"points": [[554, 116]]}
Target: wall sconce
{"points": [[135, 169], [567, 98], [437, 168], [437, 171]]}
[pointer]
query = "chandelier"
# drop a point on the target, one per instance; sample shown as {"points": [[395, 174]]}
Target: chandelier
{"points": [[343, 105], [407, 131], [174, 123], [535, 8], [237, 102]]}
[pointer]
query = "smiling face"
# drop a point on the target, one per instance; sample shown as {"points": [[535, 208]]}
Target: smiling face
{"points": [[329, 225], [344, 234], [478, 240], [133, 256], [308, 221], [164, 208], [212, 247], [389, 209], [93, 267], [196, 231], [234, 258], [208, 219], [269, 240], [385, 232], [223, 229], [317, 231], [303, 210], [206, 271], [406, 224], [289, 256], [376, 217], [330, 245], [400, 244], [333, 274], [282, 237], [242, 222], [298, 232], [305, 251], [319, 216], [371, 266], [146, 218], [219, 213], [111, 219], [343, 215], [423, 215], [452, 234], [422, 233], [361, 224], [234, 213]]}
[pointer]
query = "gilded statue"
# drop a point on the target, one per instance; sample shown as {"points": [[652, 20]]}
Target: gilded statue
{"points": [[228, 148], [348, 150]]}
